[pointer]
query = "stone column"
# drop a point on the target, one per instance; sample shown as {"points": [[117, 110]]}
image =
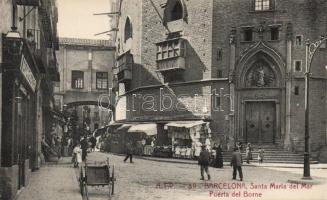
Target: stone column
{"points": [[232, 83], [288, 83]]}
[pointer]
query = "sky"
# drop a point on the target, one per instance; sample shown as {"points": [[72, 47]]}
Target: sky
{"points": [[76, 18]]}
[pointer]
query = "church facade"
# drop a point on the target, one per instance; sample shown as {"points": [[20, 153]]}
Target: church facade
{"points": [[237, 65]]}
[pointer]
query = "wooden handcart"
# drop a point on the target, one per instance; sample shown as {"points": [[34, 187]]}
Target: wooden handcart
{"points": [[97, 174]]}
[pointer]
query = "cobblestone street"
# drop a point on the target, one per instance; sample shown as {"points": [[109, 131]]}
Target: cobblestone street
{"points": [[157, 180]]}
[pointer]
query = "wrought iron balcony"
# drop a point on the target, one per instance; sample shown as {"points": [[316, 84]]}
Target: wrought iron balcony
{"points": [[171, 54], [124, 67]]}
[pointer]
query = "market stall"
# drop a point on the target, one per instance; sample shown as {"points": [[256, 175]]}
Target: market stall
{"points": [[143, 136], [137, 134], [187, 137]]}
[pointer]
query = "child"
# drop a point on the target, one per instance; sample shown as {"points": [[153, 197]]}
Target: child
{"points": [[77, 157], [248, 153], [260, 155]]}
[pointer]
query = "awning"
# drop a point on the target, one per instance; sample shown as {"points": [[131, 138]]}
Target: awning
{"points": [[100, 131], [149, 129], [184, 124], [114, 124], [124, 126]]}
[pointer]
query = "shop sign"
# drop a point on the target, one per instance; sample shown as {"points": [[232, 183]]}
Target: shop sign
{"points": [[27, 72]]}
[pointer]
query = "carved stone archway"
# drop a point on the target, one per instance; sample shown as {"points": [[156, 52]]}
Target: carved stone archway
{"points": [[260, 55], [260, 75]]}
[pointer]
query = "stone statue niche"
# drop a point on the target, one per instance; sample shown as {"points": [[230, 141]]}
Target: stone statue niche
{"points": [[260, 75]]}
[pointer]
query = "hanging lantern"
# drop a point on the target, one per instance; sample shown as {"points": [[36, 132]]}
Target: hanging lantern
{"points": [[13, 43]]}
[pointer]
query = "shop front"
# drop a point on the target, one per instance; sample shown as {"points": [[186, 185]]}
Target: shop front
{"points": [[19, 138], [139, 135], [187, 137]]}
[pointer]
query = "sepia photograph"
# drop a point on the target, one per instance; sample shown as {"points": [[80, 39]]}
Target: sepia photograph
{"points": [[163, 99]]}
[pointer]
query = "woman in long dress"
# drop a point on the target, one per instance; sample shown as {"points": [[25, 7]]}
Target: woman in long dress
{"points": [[77, 155], [219, 163]]}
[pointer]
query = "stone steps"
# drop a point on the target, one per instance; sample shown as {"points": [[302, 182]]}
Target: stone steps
{"points": [[272, 154]]}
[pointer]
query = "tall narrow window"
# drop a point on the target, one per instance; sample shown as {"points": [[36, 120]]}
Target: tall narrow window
{"points": [[274, 33], [248, 34], [219, 74], [298, 65], [219, 54], [102, 80], [174, 11], [296, 90], [262, 5], [77, 79], [177, 12], [128, 29], [298, 40]]}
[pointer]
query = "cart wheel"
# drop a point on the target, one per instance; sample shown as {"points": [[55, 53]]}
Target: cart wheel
{"points": [[86, 196], [81, 186], [113, 179]]}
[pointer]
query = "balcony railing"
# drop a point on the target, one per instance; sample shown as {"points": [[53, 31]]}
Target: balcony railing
{"points": [[124, 66], [171, 54]]}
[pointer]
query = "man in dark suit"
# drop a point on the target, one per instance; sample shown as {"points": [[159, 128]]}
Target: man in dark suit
{"points": [[236, 163], [129, 152], [204, 161], [84, 147]]}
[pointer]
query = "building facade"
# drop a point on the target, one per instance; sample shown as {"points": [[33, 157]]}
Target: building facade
{"points": [[28, 42], [237, 65], [85, 67]]}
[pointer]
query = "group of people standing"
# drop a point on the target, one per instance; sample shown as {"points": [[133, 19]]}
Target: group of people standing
{"points": [[81, 148], [206, 158], [236, 160]]}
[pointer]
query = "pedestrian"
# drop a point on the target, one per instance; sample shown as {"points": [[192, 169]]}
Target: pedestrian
{"points": [[58, 146], [45, 148], [198, 146], [218, 163], [248, 153], [143, 142], [77, 157], [260, 155], [153, 142], [236, 163], [203, 161], [239, 146], [208, 144], [84, 147], [129, 152]]}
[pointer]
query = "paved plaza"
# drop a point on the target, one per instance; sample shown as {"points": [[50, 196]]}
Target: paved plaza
{"points": [[148, 179]]}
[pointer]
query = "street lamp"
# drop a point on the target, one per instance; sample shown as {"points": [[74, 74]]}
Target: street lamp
{"points": [[310, 51]]}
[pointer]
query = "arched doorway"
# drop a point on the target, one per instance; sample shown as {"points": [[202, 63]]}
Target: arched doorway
{"points": [[260, 96]]}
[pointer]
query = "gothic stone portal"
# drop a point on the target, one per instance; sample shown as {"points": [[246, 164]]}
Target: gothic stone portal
{"points": [[260, 119]]}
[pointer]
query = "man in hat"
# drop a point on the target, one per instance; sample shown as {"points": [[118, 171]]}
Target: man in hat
{"points": [[204, 161], [236, 163]]}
